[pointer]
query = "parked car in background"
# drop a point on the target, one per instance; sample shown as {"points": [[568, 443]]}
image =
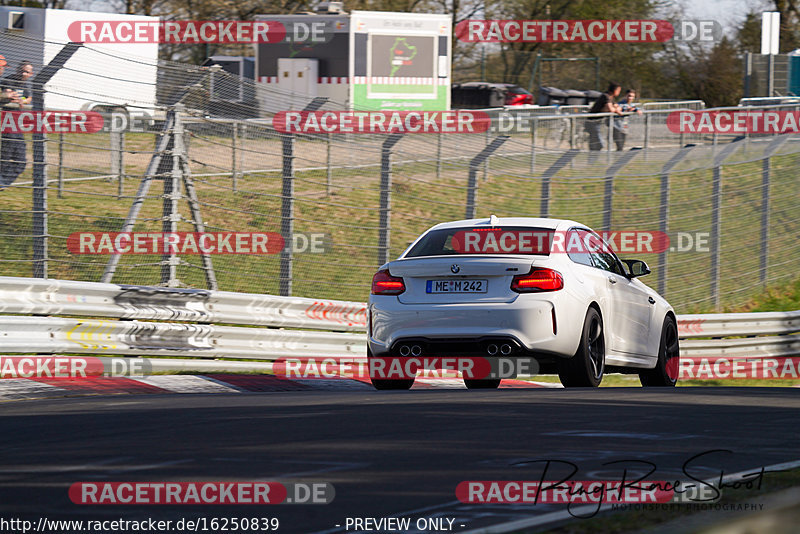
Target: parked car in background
{"points": [[517, 96], [483, 95]]}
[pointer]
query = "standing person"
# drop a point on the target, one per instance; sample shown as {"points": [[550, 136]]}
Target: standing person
{"points": [[17, 92], [627, 106], [23, 80], [606, 103]]}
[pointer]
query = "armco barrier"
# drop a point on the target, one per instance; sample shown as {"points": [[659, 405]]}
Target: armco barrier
{"points": [[748, 335], [138, 338], [329, 328], [88, 299], [738, 324]]}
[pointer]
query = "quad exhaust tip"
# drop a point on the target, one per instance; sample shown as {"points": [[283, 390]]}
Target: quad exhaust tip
{"points": [[505, 349], [491, 349]]}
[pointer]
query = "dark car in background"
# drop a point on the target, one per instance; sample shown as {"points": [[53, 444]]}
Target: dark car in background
{"points": [[482, 95]]}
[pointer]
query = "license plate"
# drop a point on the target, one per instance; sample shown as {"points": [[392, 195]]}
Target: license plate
{"points": [[457, 286]]}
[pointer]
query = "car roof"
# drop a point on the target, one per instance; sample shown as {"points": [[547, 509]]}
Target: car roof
{"points": [[537, 222]]}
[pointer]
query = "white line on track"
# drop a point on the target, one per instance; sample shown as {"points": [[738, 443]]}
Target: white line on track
{"points": [[187, 384]]}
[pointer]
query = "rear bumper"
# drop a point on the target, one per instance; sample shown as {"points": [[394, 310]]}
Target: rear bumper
{"points": [[467, 328]]}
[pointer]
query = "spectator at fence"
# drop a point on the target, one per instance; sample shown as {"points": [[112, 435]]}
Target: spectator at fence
{"points": [[606, 103], [17, 93], [627, 106], [22, 82]]}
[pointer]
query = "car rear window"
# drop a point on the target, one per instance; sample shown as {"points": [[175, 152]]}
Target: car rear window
{"points": [[516, 240]]}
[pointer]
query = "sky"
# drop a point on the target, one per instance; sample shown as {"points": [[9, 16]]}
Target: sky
{"points": [[729, 13], [701, 9]]}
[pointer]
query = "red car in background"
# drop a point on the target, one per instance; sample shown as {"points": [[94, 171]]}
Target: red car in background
{"points": [[517, 96], [483, 95]]}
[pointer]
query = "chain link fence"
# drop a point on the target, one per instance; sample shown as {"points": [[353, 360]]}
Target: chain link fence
{"points": [[369, 196]]}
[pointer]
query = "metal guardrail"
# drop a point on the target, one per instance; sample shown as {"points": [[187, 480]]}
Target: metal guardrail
{"points": [[738, 324], [33, 296], [748, 335], [58, 335], [675, 104], [330, 328]]}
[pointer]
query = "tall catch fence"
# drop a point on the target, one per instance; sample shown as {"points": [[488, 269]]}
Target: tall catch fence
{"points": [[729, 205]]}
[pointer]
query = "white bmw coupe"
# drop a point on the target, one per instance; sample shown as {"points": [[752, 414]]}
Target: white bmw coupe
{"points": [[547, 289]]}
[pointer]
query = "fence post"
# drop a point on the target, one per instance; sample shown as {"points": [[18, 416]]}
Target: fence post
{"points": [[552, 170], [472, 185], [328, 168], [765, 170], [60, 165], [664, 215], [571, 133], [533, 144], [40, 222], [287, 214], [234, 143], [121, 185], [171, 198], [384, 222], [646, 129], [287, 204], [487, 137], [117, 162], [610, 133], [716, 208], [438, 155], [242, 150], [765, 204], [39, 190], [608, 197], [716, 199]]}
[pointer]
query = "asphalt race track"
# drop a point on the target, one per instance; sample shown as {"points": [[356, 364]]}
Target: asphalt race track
{"points": [[386, 453]]}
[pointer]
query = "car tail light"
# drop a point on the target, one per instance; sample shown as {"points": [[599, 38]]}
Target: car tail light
{"points": [[384, 283], [538, 280]]}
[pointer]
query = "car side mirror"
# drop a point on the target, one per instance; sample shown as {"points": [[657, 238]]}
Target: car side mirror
{"points": [[636, 268]]}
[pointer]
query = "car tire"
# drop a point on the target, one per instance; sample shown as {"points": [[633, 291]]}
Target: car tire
{"points": [[384, 384], [474, 383], [665, 373], [586, 367]]}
